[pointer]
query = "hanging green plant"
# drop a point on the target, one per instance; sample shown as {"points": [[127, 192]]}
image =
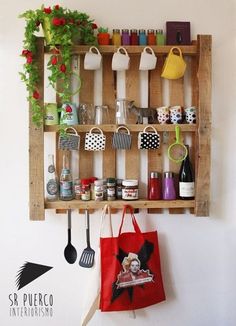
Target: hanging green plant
{"points": [[62, 28]]}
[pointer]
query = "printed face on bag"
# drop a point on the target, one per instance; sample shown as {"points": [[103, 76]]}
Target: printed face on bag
{"points": [[132, 274]]}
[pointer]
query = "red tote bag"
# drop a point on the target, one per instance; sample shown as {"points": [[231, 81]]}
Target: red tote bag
{"points": [[130, 269]]}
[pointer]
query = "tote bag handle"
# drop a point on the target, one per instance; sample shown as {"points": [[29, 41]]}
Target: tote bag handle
{"points": [[106, 209], [134, 222]]}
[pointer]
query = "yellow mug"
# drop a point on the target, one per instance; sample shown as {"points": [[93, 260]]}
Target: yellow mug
{"points": [[174, 66]]}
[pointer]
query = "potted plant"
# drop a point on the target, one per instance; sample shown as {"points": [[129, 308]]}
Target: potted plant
{"points": [[62, 27], [103, 36]]}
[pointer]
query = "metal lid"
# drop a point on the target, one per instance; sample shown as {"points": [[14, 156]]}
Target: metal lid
{"points": [[151, 31], [168, 174], [116, 31], [159, 31], [142, 31], [119, 181], [125, 30], [130, 183], [134, 30], [98, 182], [111, 180], [154, 174]]}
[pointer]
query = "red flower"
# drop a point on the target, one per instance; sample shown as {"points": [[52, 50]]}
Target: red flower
{"points": [[55, 51], [29, 59], [56, 21], [63, 67], [47, 10], [94, 26], [68, 109], [56, 7], [36, 95], [27, 53], [62, 21], [71, 21], [54, 60]]}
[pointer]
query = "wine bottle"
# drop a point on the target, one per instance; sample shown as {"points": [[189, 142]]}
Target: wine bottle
{"points": [[52, 180], [186, 179]]}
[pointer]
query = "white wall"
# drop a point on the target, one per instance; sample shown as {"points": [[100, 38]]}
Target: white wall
{"points": [[198, 254]]}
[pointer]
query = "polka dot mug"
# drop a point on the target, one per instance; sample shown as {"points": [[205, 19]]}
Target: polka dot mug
{"points": [[176, 114], [163, 115], [190, 114]]}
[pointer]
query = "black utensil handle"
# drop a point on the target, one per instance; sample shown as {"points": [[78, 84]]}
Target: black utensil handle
{"points": [[69, 218], [87, 228], [69, 235]]}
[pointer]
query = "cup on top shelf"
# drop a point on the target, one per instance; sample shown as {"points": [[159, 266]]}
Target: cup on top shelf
{"points": [[176, 114], [101, 115], [163, 115], [190, 114], [92, 59], [148, 59]]}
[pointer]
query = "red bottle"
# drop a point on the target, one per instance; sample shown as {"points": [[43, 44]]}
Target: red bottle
{"points": [[154, 186]]}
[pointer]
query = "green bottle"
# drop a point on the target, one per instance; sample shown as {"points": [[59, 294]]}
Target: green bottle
{"points": [[160, 37]]}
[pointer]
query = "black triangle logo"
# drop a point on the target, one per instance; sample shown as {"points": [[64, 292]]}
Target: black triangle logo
{"points": [[29, 272]]}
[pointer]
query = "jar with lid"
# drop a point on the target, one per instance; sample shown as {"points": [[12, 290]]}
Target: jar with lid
{"points": [[125, 38], [98, 190], [142, 38], [77, 188], [169, 192], [130, 190], [118, 188], [92, 179], [151, 37], [133, 37], [116, 37], [160, 37], [154, 186], [111, 188], [85, 194]]}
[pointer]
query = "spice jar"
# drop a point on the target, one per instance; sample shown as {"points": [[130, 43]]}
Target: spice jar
{"points": [[154, 186], [85, 195], [125, 37], [98, 190], [160, 37], [133, 37], [118, 188], [77, 188], [92, 179], [151, 37], [142, 38], [116, 37], [130, 189], [111, 188], [169, 192]]}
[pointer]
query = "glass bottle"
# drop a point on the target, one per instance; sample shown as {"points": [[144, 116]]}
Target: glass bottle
{"points": [[133, 37], [66, 184], [52, 180], [142, 39], [125, 38], [151, 37], [169, 192], [160, 37], [116, 37], [186, 179], [154, 186]]}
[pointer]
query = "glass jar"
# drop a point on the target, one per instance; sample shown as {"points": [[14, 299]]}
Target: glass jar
{"points": [[160, 37], [77, 188], [169, 192], [111, 188], [98, 190], [133, 37], [125, 37], [151, 37], [92, 179], [118, 188], [130, 190], [116, 37], [154, 186], [85, 194], [142, 39]]}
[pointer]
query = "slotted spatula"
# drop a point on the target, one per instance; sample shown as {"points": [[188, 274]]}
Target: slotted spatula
{"points": [[87, 257]]}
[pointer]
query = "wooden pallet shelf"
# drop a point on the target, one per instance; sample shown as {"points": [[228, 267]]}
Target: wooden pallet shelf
{"points": [[198, 56], [141, 203]]}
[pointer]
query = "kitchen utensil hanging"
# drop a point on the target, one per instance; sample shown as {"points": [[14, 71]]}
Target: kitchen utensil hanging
{"points": [[95, 141], [69, 141], [148, 139], [87, 257], [121, 140], [177, 151]]}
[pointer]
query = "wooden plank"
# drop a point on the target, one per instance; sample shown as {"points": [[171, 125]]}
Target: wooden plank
{"points": [[155, 158], [203, 157], [132, 157], [141, 203], [36, 148], [176, 98]]}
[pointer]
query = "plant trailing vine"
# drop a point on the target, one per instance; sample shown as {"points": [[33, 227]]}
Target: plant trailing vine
{"points": [[62, 27]]}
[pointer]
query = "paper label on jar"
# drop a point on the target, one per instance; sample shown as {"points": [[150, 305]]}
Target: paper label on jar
{"points": [[66, 188], [130, 194], [186, 189]]}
